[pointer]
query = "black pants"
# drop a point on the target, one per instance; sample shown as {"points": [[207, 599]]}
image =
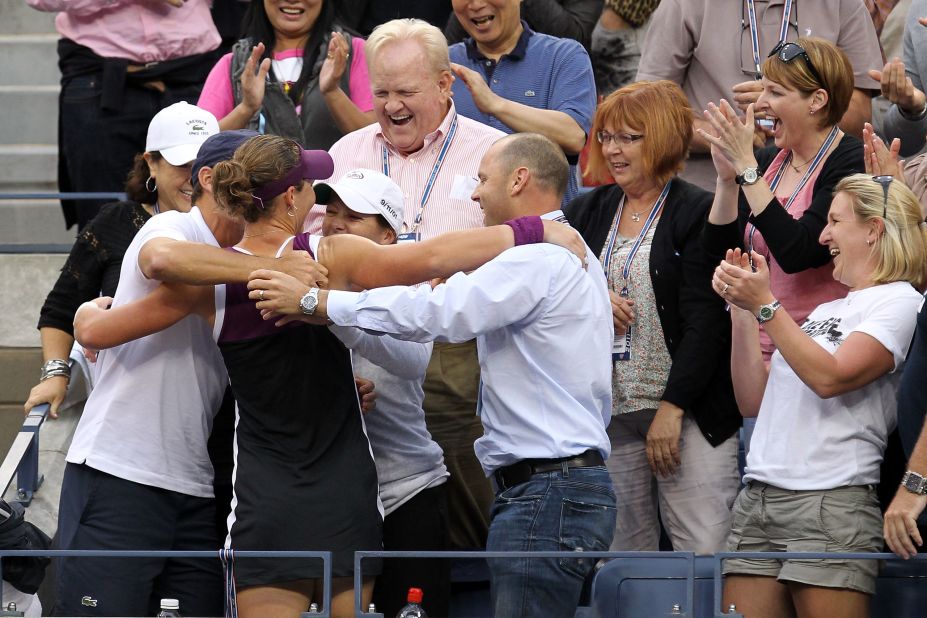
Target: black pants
{"points": [[101, 511], [97, 146], [418, 525]]}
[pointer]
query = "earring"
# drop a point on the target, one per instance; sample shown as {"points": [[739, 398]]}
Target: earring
{"points": [[148, 184], [868, 243], [811, 111], [291, 210]]}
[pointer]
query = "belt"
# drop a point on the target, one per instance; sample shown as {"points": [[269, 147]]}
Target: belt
{"points": [[522, 471]]}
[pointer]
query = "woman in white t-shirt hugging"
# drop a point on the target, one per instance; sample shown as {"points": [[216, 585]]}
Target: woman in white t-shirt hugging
{"points": [[826, 405]]}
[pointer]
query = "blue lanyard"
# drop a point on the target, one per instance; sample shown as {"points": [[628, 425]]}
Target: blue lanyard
{"points": [[434, 170], [626, 270], [801, 183], [754, 33]]}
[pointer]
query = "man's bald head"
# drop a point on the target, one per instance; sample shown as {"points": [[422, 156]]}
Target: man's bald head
{"points": [[543, 158]]}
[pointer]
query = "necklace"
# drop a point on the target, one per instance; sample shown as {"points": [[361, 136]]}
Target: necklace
{"points": [[798, 168], [636, 217]]}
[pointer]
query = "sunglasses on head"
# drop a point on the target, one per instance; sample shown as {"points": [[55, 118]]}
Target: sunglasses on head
{"points": [[787, 52], [886, 182]]}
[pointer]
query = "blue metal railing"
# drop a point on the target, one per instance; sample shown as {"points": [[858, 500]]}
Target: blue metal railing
{"points": [[324, 556], [360, 556], [22, 460], [100, 195]]}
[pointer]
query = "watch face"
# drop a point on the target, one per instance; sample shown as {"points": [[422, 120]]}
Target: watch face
{"points": [[912, 482], [308, 304], [766, 313], [750, 176]]}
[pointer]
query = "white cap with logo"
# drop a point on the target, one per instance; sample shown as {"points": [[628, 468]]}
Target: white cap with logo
{"points": [[368, 192], [177, 132]]}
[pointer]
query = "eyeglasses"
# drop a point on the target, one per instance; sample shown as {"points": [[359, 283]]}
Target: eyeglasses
{"points": [[622, 139], [886, 182], [787, 52]]}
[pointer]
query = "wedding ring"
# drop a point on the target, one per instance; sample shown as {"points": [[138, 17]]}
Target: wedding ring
{"points": [[330, 56], [723, 290], [261, 295]]}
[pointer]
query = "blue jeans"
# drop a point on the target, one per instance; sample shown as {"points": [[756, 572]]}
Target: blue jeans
{"points": [[554, 511]]}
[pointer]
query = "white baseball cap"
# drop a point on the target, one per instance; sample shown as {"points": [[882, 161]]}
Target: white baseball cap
{"points": [[368, 192], [177, 132]]}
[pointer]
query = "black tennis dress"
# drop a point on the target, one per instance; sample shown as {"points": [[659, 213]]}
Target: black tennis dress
{"points": [[304, 473]]}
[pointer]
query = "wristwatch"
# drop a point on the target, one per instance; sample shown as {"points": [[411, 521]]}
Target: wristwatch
{"points": [[766, 312], [747, 177], [914, 482], [310, 301]]}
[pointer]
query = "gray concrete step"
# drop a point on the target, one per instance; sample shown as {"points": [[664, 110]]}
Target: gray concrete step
{"points": [[28, 167], [16, 17], [33, 222], [29, 59], [30, 114]]}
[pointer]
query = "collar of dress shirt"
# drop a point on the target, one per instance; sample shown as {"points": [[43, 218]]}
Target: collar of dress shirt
{"points": [[430, 138]]}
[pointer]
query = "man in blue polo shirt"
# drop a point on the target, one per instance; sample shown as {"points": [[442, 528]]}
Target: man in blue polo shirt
{"points": [[517, 80]]}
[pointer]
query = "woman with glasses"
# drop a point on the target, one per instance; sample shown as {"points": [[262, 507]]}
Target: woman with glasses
{"points": [[674, 416], [774, 201], [826, 404]]}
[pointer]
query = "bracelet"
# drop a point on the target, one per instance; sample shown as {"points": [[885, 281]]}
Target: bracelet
{"points": [[55, 368], [528, 230], [913, 117]]}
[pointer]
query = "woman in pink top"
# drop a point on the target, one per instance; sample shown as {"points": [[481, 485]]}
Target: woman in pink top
{"points": [[775, 201], [296, 74]]}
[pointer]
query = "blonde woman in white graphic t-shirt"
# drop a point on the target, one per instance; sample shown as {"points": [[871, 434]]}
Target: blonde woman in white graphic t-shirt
{"points": [[826, 405]]}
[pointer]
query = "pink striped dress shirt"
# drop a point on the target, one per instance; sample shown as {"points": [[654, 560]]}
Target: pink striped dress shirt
{"points": [[449, 206], [140, 31]]}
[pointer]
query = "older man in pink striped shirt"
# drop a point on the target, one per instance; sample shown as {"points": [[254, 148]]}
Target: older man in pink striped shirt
{"points": [[433, 154]]}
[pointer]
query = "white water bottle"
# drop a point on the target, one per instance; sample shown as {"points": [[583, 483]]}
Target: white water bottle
{"points": [[170, 608], [413, 609]]}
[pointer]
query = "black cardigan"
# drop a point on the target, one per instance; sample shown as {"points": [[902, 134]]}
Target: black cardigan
{"points": [[793, 242], [695, 324]]}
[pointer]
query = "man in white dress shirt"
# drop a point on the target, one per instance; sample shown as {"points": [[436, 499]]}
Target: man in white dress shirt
{"points": [[544, 334]]}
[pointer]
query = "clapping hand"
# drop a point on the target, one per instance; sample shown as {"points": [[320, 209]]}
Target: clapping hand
{"points": [[336, 61], [737, 283], [881, 159]]}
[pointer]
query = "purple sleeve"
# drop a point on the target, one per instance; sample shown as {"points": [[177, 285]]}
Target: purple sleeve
{"points": [[360, 78], [217, 96]]}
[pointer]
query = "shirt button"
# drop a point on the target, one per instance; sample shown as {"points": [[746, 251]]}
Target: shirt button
{"points": [[661, 308], [656, 272], [495, 81], [489, 63]]}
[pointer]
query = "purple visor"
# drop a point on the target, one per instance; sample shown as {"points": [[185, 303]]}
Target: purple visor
{"points": [[313, 165]]}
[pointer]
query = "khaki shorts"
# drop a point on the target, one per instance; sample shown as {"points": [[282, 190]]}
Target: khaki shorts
{"points": [[846, 519]]}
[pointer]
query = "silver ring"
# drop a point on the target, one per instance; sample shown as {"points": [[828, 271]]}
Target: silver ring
{"points": [[261, 295], [723, 290]]}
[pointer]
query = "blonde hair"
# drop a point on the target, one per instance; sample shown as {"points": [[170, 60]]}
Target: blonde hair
{"points": [[902, 248], [831, 63], [661, 112], [429, 37], [257, 162]]}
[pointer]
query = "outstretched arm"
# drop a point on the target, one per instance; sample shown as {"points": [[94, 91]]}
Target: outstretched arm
{"points": [[363, 264]]}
